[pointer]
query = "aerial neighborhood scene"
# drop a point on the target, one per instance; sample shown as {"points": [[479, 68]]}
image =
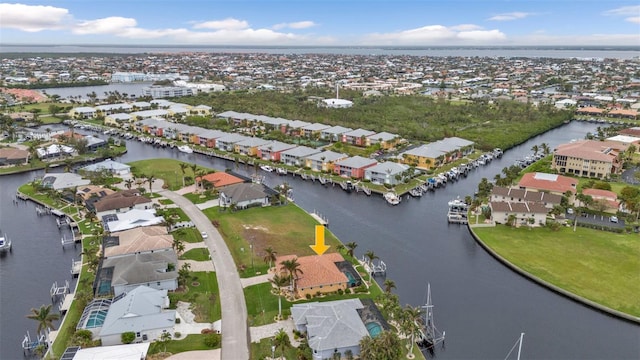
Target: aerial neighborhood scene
{"points": [[320, 180]]}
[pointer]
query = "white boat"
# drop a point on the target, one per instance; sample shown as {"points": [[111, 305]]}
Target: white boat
{"points": [[5, 243], [185, 149], [392, 198], [266, 168], [281, 171]]}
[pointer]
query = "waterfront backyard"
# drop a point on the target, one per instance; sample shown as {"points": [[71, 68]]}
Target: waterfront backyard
{"points": [[598, 265]]}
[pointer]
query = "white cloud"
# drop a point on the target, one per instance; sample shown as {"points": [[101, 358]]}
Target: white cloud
{"points": [[510, 16], [33, 18], [226, 24], [114, 25], [295, 25], [629, 12], [468, 34]]}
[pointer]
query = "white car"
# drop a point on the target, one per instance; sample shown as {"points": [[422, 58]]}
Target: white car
{"points": [[570, 211], [614, 219], [204, 235]]}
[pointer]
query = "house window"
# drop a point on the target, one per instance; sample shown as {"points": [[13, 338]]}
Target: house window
{"points": [[158, 283], [138, 334]]}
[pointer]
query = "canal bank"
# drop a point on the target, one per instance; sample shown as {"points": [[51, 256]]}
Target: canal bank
{"points": [[550, 286]]}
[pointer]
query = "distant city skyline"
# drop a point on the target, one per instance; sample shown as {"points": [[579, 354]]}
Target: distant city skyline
{"points": [[322, 23]]}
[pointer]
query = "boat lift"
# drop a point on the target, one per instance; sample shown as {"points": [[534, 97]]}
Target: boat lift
{"points": [[29, 345], [430, 336]]}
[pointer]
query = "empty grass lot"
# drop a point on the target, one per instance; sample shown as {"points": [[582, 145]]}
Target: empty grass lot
{"points": [[166, 169], [597, 265]]}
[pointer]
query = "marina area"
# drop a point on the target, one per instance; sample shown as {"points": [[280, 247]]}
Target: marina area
{"points": [[468, 288]]}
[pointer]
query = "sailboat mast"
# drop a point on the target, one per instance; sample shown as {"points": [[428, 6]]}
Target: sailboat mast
{"points": [[520, 346]]}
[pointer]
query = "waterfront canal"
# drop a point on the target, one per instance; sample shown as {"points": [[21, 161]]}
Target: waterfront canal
{"points": [[482, 305]]}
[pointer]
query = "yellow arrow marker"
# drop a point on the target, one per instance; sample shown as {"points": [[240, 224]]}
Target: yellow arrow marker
{"points": [[319, 247]]}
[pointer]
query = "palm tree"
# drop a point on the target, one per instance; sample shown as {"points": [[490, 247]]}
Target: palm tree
{"points": [[269, 256], [389, 285], [151, 179], [293, 268], [281, 341], [44, 317], [351, 247], [410, 323], [183, 168], [371, 256], [178, 245], [183, 274], [535, 149], [128, 183], [545, 149], [201, 173], [279, 282]]}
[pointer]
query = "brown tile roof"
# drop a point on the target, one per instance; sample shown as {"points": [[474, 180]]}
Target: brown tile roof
{"points": [[316, 270], [141, 239], [520, 208], [548, 182], [119, 200], [633, 131], [590, 110], [623, 112], [88, 190], [13, 153], [221, 178], [591, 150]]}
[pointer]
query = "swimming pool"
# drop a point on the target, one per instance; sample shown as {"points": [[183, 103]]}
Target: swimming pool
{"points": [[352, 280], [373, 328], [95, 319]]}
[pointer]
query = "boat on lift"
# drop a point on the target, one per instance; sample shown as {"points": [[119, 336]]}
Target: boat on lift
{"points": [[5, 243], [185, 149], [392, 198]]}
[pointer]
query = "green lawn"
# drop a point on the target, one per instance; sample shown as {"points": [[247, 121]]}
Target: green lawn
{"points": [[190, 235], [177, 213], [597, 265], [203, 294], [165, 201], [198, 254], [199, 198], [287, 229], [190, 342], [166, 169]]}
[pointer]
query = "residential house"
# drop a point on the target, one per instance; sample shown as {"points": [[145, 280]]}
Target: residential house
{"points": [[140, 105], [201, 110], [208, 137], [119, 202], [121, 274], [245, 195], [148, 114], [137, 240], [54, 151], [294, 127], [331, 327], [387, 172], [423, 156], [273, 150], [319, 274], [219, 179], [358, 137], [12, 156], [95, 143], [323, 161], [108, 109], [110, 166], [131, 219], [551, 183], [121, 352], [93, 191], [314, 130], [143, 311], [227, 142], [528, 214], [518, 195], [353, 167], [296, 156], [334, 133], [627, 140], [604, 200], [61, 181], [588, 158], [386, 140], [83, 112], [249, 146], [453, 148], [118, 119]]}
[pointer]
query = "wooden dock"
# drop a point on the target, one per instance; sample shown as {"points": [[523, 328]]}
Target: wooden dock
{"points": [[320, 219], [76, 267]]}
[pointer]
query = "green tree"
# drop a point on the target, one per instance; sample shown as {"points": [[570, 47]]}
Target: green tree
{"points": [[44, 317], [164, 339], [292, 267], [410, 325], [183, 168], [269, 256], [389, 285], [281, 341], [127, 337], [351, 247], [279, 282]]}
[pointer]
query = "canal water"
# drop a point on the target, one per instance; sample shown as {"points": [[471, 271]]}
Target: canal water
{"points": [[482, 305]]}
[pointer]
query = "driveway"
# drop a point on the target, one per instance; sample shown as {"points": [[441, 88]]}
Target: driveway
{"points": [[602, 220], [235, 334]]}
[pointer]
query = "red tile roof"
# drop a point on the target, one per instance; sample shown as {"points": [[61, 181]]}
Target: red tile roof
{"points": [[221, 178], [591, 150], [548, 182], [316, 270]]}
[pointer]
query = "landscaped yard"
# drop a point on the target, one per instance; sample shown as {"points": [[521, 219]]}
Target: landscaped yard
{"points": [[190, 235], [197, 254], [166, 169], [598, 265], [202, 293], [287, 229], [190, 342]]}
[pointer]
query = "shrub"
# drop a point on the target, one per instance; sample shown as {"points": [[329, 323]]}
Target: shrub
{"points": [[212, 340], [128, 337], [177, 320], [308, 296], [177, 334], [206, 331]]}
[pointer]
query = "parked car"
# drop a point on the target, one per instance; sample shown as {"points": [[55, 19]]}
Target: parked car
{"points": [[204, 235], [614, 219], [570, 211]]}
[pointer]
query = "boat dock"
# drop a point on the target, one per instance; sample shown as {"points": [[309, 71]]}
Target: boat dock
{"points": [[76, 267], [57, 291], [458, 212], [29, 345], [319, 218]]}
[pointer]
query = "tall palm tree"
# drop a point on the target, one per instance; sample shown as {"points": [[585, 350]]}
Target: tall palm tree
{"points": [[44, 317], [370, 255], [201, 173], [410, 323], [545, 149], [183, 168], [351, 247], [535, 149], [151, 179], [279, 282], [281, 341], [128, 183], [178, 245], [293, 268], [389, 285], [269, 256]]}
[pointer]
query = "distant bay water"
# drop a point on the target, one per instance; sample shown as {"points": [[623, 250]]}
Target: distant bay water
{"points": [[560, 52]]}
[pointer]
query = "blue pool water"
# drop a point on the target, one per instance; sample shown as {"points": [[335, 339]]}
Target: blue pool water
{"points": [[352, 280], [96, 319], [373, 328], [104, 288]]}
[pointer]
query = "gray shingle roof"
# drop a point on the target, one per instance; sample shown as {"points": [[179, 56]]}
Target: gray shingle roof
{"points": [[356, 162]]}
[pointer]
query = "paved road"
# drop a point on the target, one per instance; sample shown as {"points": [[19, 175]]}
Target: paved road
{"points": [[235, 333]]}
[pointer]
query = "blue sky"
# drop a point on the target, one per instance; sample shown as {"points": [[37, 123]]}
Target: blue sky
{"points": [[326, 22]]}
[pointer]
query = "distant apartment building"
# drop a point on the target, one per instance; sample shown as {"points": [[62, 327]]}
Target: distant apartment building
{"points": [[588, 158], [159, 92]]}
